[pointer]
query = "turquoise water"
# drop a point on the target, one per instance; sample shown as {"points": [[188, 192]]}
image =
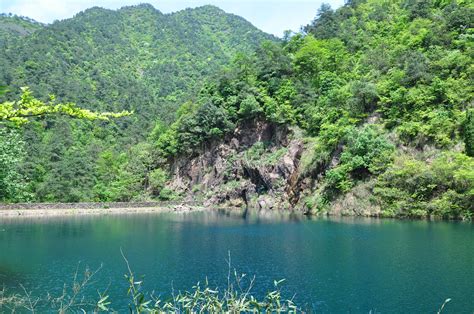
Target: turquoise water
{"points": [[331, 265]]}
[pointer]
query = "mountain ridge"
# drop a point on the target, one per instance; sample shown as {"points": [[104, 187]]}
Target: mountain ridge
{"points": [[194, 31]]}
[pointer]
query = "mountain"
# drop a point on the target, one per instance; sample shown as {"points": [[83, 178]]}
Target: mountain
{"points": [[17, 26], [12, 30], [369, 111], [135, 58]]}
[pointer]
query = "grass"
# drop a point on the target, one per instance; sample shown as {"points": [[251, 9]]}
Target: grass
{"points": [[201, 298]]}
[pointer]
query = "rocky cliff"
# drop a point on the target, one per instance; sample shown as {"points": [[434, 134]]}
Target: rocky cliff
{"points": [[256, 166], [264, 166]]}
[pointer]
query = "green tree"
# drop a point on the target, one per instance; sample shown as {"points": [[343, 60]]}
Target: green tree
{"points": [[366, 152], [325, 25], [157, 179], [19, 112], [249, 107], [13, 184], [469, 132]]}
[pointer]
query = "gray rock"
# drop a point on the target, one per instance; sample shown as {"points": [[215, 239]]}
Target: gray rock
{"points": [[226, 177]]}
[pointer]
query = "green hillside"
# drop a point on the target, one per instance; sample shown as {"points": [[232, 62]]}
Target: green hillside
{"points": [[12, 26], [135, 59], [380, 94], [368, 110]]}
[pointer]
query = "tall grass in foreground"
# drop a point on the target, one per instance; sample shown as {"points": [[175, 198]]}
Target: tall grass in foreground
{"points": [[202, 298]]}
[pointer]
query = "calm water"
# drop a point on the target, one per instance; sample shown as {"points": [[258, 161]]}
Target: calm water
{"points": [[332, 265]]}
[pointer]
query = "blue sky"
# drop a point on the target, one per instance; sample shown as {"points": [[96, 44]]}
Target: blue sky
{"points": [[272, 16]]}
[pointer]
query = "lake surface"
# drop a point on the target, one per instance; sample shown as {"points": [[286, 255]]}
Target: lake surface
{"points": [[331, 265]]}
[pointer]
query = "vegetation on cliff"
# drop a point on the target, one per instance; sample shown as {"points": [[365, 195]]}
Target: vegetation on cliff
{"points": [[384, 89]]}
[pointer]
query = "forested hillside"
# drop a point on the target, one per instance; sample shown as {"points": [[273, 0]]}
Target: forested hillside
{"points": [[12, 26], [135, 59], [368, 110]]}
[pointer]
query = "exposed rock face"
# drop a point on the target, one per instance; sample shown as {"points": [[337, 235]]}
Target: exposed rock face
{"points": [[256, 166]]}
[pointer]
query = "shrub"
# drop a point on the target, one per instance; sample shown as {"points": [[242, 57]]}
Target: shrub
{"points": [[366, 152], [413, 188], [157, 179], [468, 133], [436, 126], [168, 195], [237, 297]]}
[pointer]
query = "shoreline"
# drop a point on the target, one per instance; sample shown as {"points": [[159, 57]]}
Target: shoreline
{"points": [[46, 210], [70, 212]]}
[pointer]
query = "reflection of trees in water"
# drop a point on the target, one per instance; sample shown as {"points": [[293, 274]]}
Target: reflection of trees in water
{"points": [[256, 216], [208, 216], [225, 216]]}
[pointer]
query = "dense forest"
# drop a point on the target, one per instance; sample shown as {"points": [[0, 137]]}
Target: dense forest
{"points": [[135, 59], [379, 93]]}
